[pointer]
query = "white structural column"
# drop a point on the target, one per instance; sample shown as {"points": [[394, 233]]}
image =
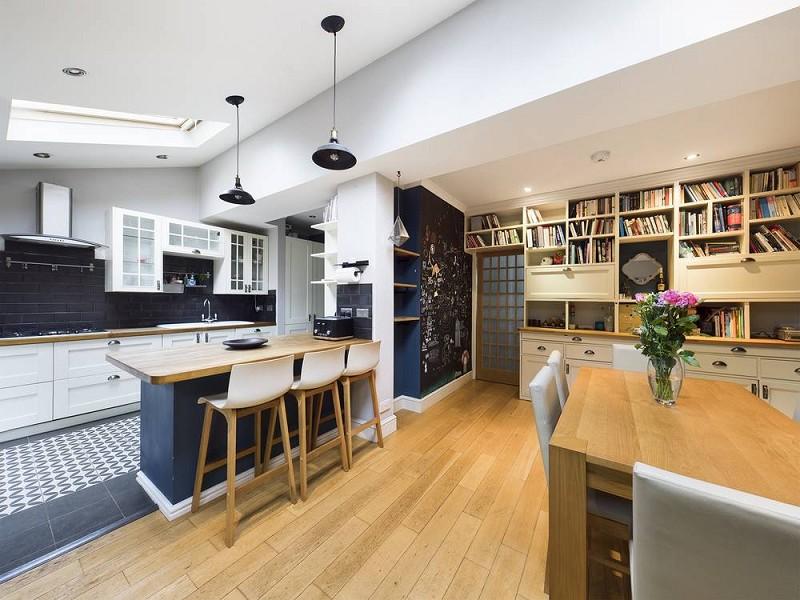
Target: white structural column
{"points": [[365, 219]]}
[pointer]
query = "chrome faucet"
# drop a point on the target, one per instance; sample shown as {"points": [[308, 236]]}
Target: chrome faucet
{"points": [[209, 318]]}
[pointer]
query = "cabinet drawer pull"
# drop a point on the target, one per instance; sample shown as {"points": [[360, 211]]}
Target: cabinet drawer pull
{"points": [[206, 337], [114, 343], [754, 389], [577, 339], [258, 330], [113, 377], [797, 370], [589, 352], [748, 259], [765, 392], [542, 349], [719, 363], [195, 251], [566, 269], [738, 349], [197, 337]]}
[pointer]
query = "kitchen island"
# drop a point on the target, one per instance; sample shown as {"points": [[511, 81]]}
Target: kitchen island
{"points": [[172, 380]]}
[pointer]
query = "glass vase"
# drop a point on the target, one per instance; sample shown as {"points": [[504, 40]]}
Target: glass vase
{"points": [[665, 376]]}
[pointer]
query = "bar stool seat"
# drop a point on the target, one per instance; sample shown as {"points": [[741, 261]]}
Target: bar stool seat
{"points": [[253, 388], [361, 363], [320, 373]]}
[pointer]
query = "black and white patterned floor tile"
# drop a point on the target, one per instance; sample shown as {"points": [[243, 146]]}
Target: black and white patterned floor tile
{"points": [[35, 472]]}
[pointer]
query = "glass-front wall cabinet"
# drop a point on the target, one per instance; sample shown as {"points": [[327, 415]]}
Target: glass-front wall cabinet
{"points": [[257, 263], [183, 237], [136, 258], [237, 248], [243, 270]]}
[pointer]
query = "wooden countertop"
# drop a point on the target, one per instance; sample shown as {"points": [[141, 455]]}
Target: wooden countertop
{"points": [[181, 364], [717, 432], [115, 333], [693, 339]]}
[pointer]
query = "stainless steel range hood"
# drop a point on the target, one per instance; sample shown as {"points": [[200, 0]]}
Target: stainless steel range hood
{"points": [[54, 219]]}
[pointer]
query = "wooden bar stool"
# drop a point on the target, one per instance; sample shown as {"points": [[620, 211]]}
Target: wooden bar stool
{"points": [[361, 362], [253, 388], [320, 373]]}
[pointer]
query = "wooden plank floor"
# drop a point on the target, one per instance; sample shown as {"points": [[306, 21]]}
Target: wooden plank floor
{"points": [[454, 507]]}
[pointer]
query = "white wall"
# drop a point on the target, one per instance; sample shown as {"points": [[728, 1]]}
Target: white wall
{"points": [[365, 219], [168, 192]]}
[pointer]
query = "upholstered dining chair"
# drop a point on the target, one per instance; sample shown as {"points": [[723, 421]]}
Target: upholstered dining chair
{"points": [[556, 362]]}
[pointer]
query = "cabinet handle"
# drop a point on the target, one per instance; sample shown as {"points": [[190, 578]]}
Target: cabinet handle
{"points": [[797, 370], [566, 269], [719, 363], [765, 392], [195, 251], [577, 339], [257, 330], [114, 343], [589, 352], [206, 337], [566, 368], [197, 337], [113, 377], [738, 349], [541, 348], [754, 389], [748, 259]]}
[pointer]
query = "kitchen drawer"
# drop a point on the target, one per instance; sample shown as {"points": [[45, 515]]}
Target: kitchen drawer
{"points": [[540, 348], [780, 369], [179, 340], [726, 364], [218, 336], [570, 282], [88, 357], [25, 405], [529, 366], [81, 395], [25, 364], [590, 352], [263, 331]]}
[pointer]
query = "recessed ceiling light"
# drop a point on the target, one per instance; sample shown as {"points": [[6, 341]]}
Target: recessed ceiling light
{"points": [[162, 156], [600, 156], [693, 156], [41, 155], [527, 189], [74, 71]]}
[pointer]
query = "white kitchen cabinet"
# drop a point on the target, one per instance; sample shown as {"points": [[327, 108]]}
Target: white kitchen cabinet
{"points": [[570, 282], [25, 364], [136, 258], [243, 268], [529, 366], [573, 367], [192, 338], [763, 276], [79, 395], [748, 383], [192, 239], [303, 300], [25, 405], [783, 395], [88, 357], [267, 331]]}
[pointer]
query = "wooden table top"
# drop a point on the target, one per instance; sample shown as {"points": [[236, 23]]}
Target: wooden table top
{"points": [[181, 364], [717, 432]]}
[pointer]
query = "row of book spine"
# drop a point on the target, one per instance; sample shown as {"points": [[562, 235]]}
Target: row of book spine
{"points": [[712, 190], [657, 198], [475, 241], [546, 236], [591, 227], [773, 238], [727, 321], [787, 205], [777, 179], [650, 225], [693, 222], [504, 237], [591, 208], [727, 218]]}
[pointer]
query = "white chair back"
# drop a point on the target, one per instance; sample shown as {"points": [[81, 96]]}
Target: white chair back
{"points": [[695, 540], [321, 368], [252, 384], [362, 358], [627, 358], [797, 411], [546, 411], [556, 362]]}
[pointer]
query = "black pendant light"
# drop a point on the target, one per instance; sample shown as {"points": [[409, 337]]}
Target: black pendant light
{"points": [[236, 195], [334, 155]]}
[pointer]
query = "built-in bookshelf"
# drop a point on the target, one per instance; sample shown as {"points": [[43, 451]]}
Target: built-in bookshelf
{"points": [[707, 229]]}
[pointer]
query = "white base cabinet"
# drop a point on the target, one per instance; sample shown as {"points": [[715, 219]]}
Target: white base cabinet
{"points": [[192, 338], [88, 357], [782, 395], [80, 395], [25, 405], [25, 364]]}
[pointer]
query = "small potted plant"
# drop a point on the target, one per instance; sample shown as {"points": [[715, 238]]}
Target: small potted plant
{"points": [[666, 320]]}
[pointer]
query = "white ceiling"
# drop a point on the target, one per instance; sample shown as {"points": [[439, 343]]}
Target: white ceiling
{"points": [[748, 124], [182, 58]]}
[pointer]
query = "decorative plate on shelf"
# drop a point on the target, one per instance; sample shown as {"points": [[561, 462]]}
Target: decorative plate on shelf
{"points": [[245, 343], [642, 268]]}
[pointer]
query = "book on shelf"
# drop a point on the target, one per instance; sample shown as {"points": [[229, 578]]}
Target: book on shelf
{"points": [[727, 321], [689, 249], [712, 190], [591, 208], [545, 236], [777, 179], [603, 250], [766, 207], [579, 252], [504, 237], [475, 241], [331, 210], [479, 222], [773, 238], [727, 218], [693, 222], [591, 227], [534, 216], [658, 198], [649, 225]]}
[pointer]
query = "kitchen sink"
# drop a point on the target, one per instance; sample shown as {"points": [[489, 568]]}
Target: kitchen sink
{"points": [[202, 324]]}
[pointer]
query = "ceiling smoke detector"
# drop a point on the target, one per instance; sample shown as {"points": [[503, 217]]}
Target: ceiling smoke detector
{"points": [[600, 156]]}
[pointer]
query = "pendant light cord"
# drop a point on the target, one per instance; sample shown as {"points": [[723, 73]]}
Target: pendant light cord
{"points": [[237, 141], [334, 80]]}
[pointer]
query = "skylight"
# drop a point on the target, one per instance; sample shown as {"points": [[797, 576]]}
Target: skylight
{"points": [[45, 122]]}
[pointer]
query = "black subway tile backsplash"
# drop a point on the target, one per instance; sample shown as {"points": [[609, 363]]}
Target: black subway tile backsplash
{"points": [[356, 295], [38, 298]]}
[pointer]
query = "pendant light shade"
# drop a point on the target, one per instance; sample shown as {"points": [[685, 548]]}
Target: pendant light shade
{"points": [[399, 234], [333, 155], [236, 195]]}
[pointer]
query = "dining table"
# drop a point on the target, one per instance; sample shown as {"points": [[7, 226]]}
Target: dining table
{"points": [[716, 432]]}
